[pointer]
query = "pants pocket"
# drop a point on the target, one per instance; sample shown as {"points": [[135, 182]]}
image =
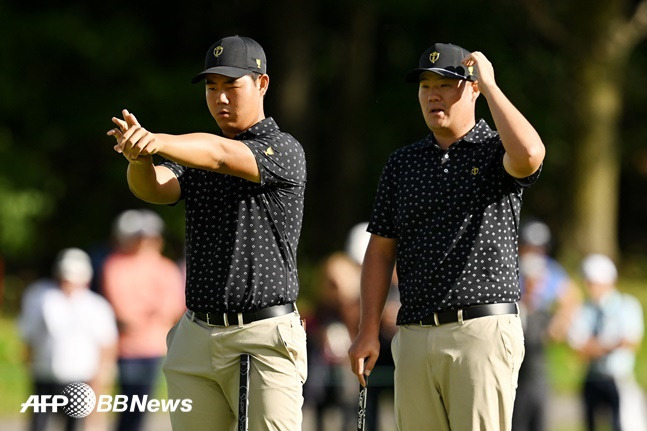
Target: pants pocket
{"points": [[292, 342], [171, 332]]}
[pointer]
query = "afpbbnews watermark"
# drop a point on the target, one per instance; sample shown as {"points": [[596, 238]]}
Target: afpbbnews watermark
{"points": [[79, 400]]}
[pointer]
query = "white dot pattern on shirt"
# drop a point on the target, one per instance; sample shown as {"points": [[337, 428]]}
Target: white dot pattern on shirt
{"points": [[455, 214], [242, 237]]}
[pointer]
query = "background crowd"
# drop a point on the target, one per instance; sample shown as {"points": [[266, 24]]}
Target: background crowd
{"points": [[102, 319]]}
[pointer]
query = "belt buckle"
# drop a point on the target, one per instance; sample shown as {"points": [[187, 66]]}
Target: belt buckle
{"points": [[239, 318], [208, 322]]}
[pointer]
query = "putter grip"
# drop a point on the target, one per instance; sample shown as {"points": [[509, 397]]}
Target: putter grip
{"points": [[361, 411], [243, 393]]}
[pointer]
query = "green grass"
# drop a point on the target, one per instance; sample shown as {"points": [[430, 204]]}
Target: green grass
{"points": [[14, 378], [564, 367], [15, 383]]}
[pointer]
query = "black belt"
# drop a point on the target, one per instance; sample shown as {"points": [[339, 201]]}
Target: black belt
{"points": [[467, 313], [240, 319]]}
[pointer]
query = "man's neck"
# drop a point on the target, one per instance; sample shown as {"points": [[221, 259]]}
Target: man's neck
{"points": [[231, 134], [445, 137]]}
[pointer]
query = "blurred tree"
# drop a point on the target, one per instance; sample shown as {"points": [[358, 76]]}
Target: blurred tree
{"points": [[596, 45], [337, 84]]}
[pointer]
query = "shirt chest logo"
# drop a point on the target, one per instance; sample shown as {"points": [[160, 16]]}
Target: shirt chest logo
{"points": [[269, 151], [475, 171]]}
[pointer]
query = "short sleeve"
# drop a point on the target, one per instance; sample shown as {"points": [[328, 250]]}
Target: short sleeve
{"points": [[530, 180], [633, 322], [176, 168], [30, 321], [281, 161], [382, 221]]}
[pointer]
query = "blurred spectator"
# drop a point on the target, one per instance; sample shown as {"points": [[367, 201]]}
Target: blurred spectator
{"points": [[607, 331], [357, 241], [145, 289], [554, 291], [548, 300], [330, 385], [70, 332]]}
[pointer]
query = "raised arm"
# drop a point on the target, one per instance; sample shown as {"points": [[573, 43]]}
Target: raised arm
{"points": [[196, 150], [377, 272], [524, 148], [153, 184]]}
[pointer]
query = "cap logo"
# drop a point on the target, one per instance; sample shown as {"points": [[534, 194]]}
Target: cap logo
{"points": [[470, 69], [258, 63], [217, 51], [474, 171], [434, 56]]}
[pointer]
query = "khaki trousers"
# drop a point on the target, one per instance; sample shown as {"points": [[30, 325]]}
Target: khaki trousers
{"points": [[458, 377], [203, 365]]}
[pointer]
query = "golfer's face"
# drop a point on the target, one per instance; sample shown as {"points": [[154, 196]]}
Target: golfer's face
{"points": [[235, 103], [444, 101]]}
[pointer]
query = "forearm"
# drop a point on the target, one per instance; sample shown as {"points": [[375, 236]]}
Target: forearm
{"points": [[523, 146], [594, 349], [377, 271], [195, 150], [150, 183]]}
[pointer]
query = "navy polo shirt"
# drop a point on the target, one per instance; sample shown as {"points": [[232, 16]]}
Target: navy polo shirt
{"points": [[242, 237], [455, 214]]}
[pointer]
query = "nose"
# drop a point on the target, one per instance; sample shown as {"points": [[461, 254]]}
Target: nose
{"points": [[433, 95], [222, 98]]}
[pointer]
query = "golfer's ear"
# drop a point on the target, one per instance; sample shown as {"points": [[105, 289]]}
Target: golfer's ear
{"points": [[264, 83], [475, 89]]}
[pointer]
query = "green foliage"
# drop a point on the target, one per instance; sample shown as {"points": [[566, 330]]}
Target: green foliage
{"points": [[18, 220], [14, 379], [68, 67]]}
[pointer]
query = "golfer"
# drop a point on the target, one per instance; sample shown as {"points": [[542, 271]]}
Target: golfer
{"points": [[243, 190], [447, 211]]}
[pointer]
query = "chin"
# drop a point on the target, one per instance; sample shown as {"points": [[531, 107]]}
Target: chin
{"points": [[435, 124], [225, 125]]}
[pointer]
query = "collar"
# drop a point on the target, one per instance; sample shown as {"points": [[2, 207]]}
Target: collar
{"points": [[266, 125], [479, 133], [607, 299]]}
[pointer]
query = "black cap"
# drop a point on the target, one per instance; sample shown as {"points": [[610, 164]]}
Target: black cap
{"points": [[234, 56], [444, 59]]}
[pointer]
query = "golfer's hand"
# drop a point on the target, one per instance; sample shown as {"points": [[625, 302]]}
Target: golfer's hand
{"points": [[484, 70], [363, 354], [133, 141]]}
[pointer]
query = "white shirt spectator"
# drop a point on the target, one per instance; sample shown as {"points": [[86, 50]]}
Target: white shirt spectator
{"points": [[65, 332], [621, 319]]}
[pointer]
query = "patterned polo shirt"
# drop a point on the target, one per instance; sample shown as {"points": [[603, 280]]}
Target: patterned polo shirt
{"points": [[242, 237], [455, 214]]}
